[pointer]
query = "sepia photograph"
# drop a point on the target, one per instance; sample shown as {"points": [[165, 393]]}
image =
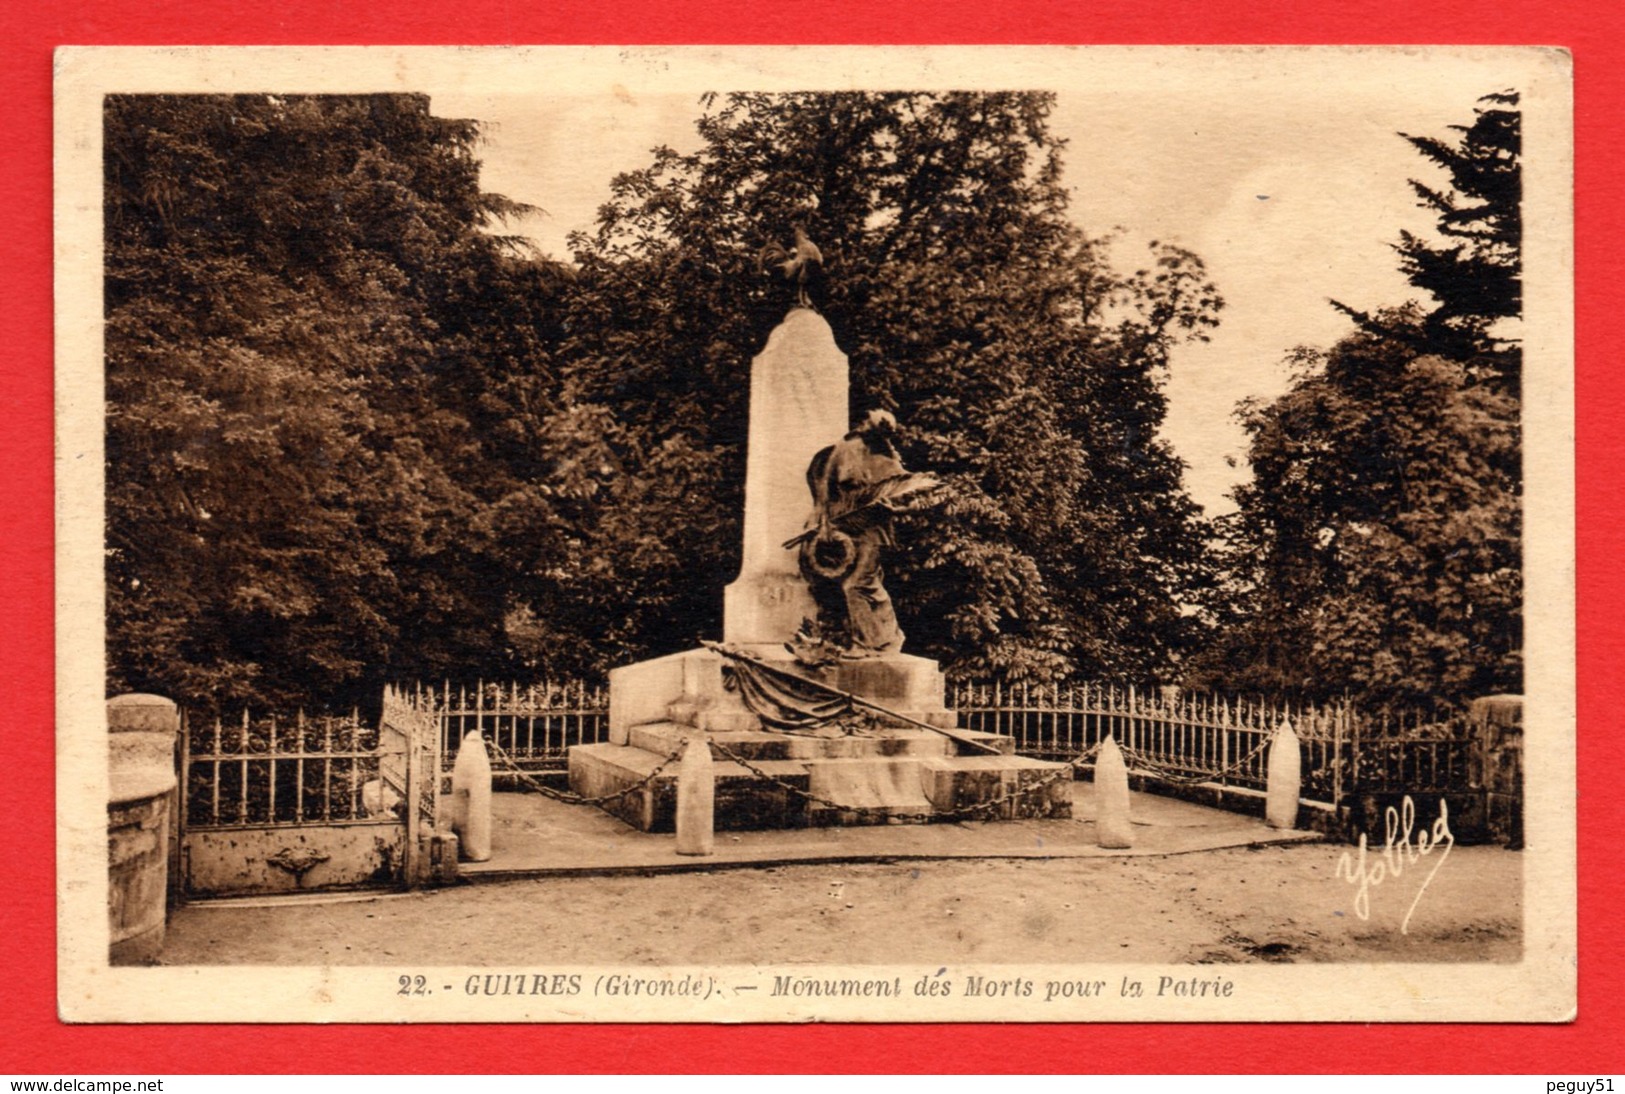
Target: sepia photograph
{"points": [[783, 534]]}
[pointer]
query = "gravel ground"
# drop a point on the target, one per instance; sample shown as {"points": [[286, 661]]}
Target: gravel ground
{"points": [[1279, 904]]}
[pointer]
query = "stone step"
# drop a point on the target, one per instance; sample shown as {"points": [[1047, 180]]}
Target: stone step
{"points": [[870, 790], [865, 789], [721, 718], [753, 745], [744, 801], [957, 783]]}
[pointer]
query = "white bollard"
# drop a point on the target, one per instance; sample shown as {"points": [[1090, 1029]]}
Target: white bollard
{"points": [[1113, 828], [471, 798], [1283, 778], [696, 799]]}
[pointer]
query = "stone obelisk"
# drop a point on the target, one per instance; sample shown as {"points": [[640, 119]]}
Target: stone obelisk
{"points": [[798, 405]]}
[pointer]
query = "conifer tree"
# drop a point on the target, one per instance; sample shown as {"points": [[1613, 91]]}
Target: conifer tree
{"points": [[1473, 270]]}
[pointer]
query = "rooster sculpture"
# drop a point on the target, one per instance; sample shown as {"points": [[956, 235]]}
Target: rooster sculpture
{"points": [[798, 263]]}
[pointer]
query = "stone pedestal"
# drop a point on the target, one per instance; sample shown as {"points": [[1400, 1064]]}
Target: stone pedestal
{"points": [[908, 772], [798, 405], [141, 793]]}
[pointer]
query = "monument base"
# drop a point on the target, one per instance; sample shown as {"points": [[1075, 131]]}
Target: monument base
{"points": [[797, 780], [801, 782], [687, 688]]}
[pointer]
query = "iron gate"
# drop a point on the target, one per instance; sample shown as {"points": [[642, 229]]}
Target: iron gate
{"points": [[280, 805]]}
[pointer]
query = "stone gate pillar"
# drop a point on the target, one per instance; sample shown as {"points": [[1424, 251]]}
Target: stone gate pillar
{"points": [[141, 732], [1497, 765]]}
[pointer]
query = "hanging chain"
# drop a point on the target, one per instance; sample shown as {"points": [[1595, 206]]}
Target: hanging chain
{"points": [[977, 809], [1137, 760], [890, 814], [1141, 765], [576, 799]]}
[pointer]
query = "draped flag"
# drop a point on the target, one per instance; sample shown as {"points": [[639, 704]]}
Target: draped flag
{"points": [[783, 700]]}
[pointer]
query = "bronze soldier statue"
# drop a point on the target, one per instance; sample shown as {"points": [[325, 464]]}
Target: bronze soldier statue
{"points": [[857, 487]]}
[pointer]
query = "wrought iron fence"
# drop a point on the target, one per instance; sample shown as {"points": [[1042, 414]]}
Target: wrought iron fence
{"points": [[266, 770], [1415, 753], [411, 747], [1184, 736], [536, 725]]}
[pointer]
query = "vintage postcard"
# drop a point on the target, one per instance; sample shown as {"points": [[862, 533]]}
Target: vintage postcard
{"points": [[815, 534]]}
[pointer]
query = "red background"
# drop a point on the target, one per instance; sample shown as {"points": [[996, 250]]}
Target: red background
{"points": [[35, 1042]]}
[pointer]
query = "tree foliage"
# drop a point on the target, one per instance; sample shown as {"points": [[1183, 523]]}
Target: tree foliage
{"points": [[1025, 370], [354, 433], [314, 360], [1377, 550]]}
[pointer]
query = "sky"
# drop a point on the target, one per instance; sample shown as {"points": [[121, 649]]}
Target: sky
{"points": [[1288, 179]]}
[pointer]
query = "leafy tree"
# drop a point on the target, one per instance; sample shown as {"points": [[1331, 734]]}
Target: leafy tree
{"points": [[1025, 370], [303, 431], [1377, 550], [1379, 538]]}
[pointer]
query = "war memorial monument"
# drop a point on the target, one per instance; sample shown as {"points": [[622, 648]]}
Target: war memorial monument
{"points": [[813, 714]]}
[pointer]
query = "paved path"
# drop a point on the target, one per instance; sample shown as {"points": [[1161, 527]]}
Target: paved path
{"points": [[535, 836]]}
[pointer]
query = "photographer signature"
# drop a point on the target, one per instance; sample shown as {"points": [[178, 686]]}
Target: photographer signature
{"points": [[1398, 855]]}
